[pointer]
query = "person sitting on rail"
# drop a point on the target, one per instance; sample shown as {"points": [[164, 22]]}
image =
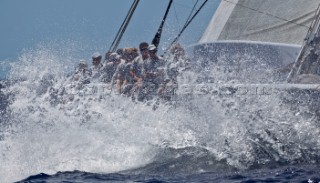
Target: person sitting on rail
{"points": [[96, 67], [83, 73], [120, 52], [110, 67], [179, 57], [152, 72], [107, 57], [136, 69], [177, 62], [76, 82], [137, 64], [124, 80]]}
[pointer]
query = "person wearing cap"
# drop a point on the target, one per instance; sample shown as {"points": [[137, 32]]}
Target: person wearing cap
{"points": [[96, 66], [177, 62], [137, 64], [82, 74], [152, 72], [124, 80], [136, 70], [107, 57], [110, 67], [83, 67], [153, 66]]}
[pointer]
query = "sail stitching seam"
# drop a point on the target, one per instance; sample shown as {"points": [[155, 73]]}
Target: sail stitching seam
{"points": [[268, 14]]}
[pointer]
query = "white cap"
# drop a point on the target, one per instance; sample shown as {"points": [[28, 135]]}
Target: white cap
{"points": [[96, 55], [152, 47], [114, 56], [83, 63]]}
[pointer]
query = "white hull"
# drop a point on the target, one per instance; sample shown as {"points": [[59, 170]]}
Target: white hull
{"points": [[255, 62]]}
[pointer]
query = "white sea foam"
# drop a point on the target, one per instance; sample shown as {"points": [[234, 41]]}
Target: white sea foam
{"points": [[102, 132]]}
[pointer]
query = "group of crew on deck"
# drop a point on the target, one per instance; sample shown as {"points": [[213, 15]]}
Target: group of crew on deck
{"points": [[140, 74]]}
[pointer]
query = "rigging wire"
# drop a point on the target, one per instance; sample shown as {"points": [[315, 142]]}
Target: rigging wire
{"points": [[183, 5], [315, 22], [123, 27], [185, 26], [268, 14], [191, 12], [176, 15], [298, 64]]}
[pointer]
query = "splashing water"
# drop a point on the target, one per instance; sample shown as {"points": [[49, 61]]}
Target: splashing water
{"points": [[99, 131]]}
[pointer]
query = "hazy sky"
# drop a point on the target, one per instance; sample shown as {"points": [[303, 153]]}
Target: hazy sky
{"points": [[91, 25]]}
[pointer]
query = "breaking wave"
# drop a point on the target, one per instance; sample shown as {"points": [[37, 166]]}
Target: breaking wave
{"points": [[208, 128]]}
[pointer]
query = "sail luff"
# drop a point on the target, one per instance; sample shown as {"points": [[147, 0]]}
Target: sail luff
{"points": [[218, 21]]}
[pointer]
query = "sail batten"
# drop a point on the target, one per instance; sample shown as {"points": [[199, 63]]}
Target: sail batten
{"points": [[277, 21]]}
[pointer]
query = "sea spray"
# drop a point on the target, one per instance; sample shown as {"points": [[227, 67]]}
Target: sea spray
{"points": [[95, 130]]}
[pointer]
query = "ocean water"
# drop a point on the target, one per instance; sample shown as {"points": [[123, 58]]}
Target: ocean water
{"points": [[207, 133], [307, 174]]}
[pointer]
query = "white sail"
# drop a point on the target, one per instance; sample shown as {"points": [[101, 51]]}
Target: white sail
{"points": [[275, 21]]}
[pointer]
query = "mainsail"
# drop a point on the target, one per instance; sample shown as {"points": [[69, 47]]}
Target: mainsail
{"points": [[274, 21]]}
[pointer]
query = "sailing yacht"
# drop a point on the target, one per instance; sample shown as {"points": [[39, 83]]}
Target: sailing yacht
{"points": [[258, 40]]}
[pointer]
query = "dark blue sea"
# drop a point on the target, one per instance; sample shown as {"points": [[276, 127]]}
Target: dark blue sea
{"points": [[304, 173]]}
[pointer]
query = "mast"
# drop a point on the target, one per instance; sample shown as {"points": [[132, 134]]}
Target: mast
{"points": [[308, 59], [156, 40]]}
